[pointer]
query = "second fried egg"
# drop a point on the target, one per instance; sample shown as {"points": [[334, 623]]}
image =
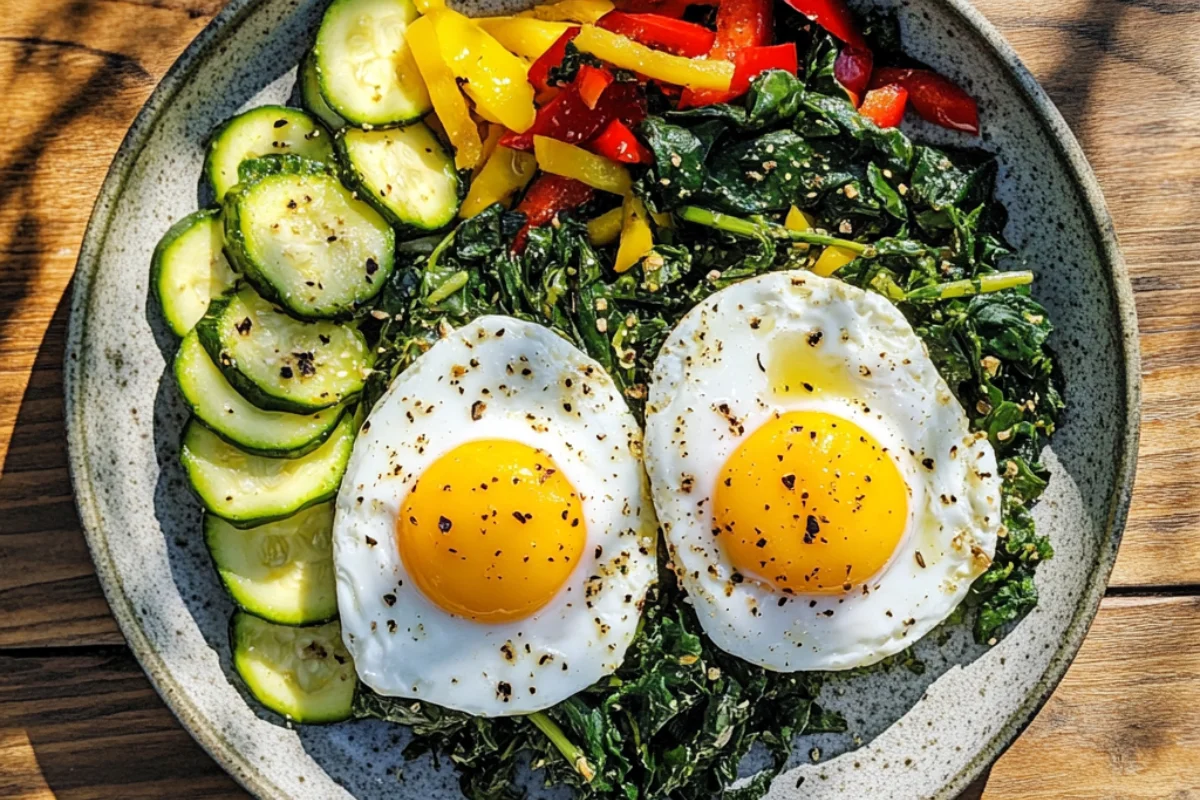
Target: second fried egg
{"points": [[824, 500]]}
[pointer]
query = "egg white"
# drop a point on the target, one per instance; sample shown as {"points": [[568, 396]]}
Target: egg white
{"points": [[470, 386], [713, 368]]}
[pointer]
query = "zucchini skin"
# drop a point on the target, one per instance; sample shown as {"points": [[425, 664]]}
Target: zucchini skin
{"points": [[209, 333], [353, 177], [216, 139], [253, 170], [283, 512], [417, 112], [227, 582], [312, 99], [304, 719], [199, 413], [251, 173], [158, 262]]}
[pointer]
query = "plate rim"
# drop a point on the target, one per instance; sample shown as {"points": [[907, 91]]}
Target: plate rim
{"points": [[234, 762]]}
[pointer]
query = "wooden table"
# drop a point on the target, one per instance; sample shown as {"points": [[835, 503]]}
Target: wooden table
{"points": [[79, 720]]}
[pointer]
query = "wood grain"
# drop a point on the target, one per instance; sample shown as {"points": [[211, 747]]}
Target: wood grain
{"points": [[85, 723]]}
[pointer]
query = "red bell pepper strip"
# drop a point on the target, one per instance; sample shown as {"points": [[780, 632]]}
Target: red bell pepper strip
{"points": [[568, 119], [885, 106], [545, 198], [661, 32], [592, 82], [938, 100], [539, 70], [740, 24], [753, 61], [618, 143], [748, 64], [853, 71], [834, 16]]}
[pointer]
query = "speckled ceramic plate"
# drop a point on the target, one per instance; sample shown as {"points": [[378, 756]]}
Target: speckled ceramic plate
{"points": [[910, 736]]}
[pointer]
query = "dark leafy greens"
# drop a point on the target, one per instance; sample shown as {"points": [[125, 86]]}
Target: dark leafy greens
{"points": [[679, 716]]}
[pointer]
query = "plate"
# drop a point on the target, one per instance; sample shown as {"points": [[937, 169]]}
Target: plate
{"points": [[910, 735]]}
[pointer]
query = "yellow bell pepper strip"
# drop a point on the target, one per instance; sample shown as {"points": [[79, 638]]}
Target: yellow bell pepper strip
{"points": [[490, 141], [798, 220], [622, 52], [604, 229], [425, 6], [493, 77], [448, 102], [636, 238], [832, 259], [505, 173], [571, 11], [569, 161], [524, 36]]}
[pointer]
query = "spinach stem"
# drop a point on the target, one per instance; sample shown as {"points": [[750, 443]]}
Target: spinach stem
{"points": [[968, 287], [744, 227], [441, 248], [570, 752], [448, 287]]}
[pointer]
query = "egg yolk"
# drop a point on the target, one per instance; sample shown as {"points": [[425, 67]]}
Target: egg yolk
{"points": [[491, 531], [810, 503]]}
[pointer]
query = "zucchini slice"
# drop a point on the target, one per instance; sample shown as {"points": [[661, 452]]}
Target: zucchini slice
{"points": [[310, 95], [238, 421], [249, 490], [304, 240], [258, 132], [189, 269], [305, 674], [279, 363], [281, 571], [364, 67], [405, 173]]}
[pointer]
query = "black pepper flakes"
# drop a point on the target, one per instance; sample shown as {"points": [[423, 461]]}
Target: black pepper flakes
{"points": [[305, 362], [811, 529], [477, 409], [244, 326], [444, 525], [789, 481]]}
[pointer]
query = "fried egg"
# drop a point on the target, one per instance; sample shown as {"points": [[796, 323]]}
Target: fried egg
{"points": [[823, 499], [494, 536]]}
